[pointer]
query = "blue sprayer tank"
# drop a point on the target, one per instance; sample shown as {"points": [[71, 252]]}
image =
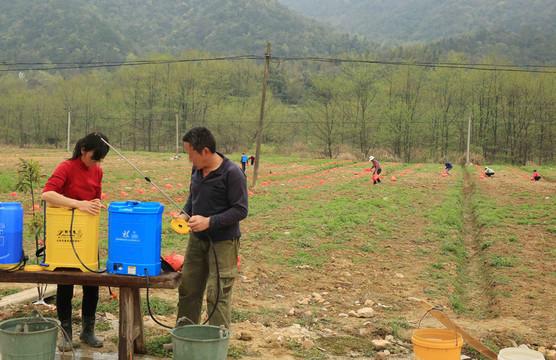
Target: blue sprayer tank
{"points": [[11, 234], [134, 238]]}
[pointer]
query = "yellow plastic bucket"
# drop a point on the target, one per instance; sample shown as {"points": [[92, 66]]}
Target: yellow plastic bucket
{"points": [[437, 344], [59, 251]]}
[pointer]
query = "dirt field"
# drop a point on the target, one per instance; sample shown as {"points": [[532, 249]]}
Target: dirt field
{"points": [[321, 243]]}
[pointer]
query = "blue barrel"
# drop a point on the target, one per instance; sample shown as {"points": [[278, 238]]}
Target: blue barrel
{"points": [[134, 238], [11, 233]]}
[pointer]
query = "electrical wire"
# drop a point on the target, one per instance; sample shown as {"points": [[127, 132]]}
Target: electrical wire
{"points": [[526, 68]]}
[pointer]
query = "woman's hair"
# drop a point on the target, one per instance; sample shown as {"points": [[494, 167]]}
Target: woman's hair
{"points": [[93, 142]]}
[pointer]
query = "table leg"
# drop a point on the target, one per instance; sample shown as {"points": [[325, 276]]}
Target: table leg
{"points": [[126, 333], [138, 323]]}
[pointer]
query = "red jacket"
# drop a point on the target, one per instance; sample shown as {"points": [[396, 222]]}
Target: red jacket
{"points": [[73, 179]]}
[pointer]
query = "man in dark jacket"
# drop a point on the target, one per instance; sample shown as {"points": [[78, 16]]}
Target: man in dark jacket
{"points": [[216, 204]]}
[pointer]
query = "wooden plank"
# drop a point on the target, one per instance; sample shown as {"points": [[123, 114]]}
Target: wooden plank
{"points": [[126, 337], [24, 296], [446, 321], [163, 281]]}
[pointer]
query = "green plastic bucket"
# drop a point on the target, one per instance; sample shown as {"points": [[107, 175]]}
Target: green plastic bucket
{"points": [[28, 338], [200, 342]]}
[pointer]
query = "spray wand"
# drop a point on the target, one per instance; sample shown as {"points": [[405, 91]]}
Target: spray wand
{"points": [[179, 225]]}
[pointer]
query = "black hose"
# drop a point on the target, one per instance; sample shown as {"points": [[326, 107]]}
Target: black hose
{"points": [[217, 293], [217, 280], [20, 265], [75, 251], [149, 304]]}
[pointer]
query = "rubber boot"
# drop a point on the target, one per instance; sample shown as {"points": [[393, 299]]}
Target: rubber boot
{"points": [[88, 333], [63, 344]]}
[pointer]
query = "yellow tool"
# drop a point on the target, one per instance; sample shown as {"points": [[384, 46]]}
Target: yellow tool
{"points": [[33, 268], [180, 226]]}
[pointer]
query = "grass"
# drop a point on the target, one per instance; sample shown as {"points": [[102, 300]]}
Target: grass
{"points": [[7, 182], [446, 229], [312, 210], [7, 292], [397, 324], [502, 261], [340, 345], [103, 326], [154, 344], [158, 306]]}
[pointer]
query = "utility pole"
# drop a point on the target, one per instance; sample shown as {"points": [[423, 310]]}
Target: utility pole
{"points": [[69, 130], [177, 135], [468, 140], [261, 116]]}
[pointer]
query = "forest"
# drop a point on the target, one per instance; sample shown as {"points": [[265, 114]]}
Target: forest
{"points": [[401, 112]]}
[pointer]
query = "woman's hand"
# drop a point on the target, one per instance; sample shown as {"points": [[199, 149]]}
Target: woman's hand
{"points": [[92, 207]]}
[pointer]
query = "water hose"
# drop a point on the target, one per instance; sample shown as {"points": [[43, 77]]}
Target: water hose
{"points": [[75, 250]]}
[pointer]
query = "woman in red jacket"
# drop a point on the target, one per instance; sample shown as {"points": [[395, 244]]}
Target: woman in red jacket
{"points": [[76, 184]]}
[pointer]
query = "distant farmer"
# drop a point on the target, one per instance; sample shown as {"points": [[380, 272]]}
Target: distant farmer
{"points": [[252, 160], [447, 167], [216, 204], [489, 172], [536, 176], [244, 159], [376, 170]]}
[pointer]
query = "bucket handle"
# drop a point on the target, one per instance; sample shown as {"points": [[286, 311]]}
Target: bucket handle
{"points": [[224, 333], [437, 308]]}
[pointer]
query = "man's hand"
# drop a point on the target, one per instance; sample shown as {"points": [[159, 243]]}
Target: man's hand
{"points": [[199, 223], [183, 216], [92, 207]]}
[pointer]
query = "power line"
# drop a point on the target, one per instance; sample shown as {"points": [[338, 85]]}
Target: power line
{"points": [[38, 66]]}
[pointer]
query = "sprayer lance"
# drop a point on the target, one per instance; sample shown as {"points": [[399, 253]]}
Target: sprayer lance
{"points": [[179, 208]]}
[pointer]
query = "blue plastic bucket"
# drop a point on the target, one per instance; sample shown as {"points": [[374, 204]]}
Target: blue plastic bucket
{"points": [[11, 234], [134, 238]]}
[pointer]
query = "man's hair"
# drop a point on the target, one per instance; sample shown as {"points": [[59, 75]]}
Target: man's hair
{"points": [[200, 138], [93, 142]]}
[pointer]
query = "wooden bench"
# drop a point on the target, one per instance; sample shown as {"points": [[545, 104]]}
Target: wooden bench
{"points": [[131, 338]]}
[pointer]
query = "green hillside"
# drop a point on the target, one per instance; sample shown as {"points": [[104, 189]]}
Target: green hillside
{"points": [[81, 30]]}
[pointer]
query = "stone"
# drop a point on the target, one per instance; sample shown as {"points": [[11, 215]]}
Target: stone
{"points": [[317, 296], [364, 332], [308, 313], [399, 275], [551, 355], [343, 315], [365, 312], [369, 302], [541, 349], [381, 355], [308, 344], [291, 312], [389, 338], [380, 344], [245, 336], [304, 301]]}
